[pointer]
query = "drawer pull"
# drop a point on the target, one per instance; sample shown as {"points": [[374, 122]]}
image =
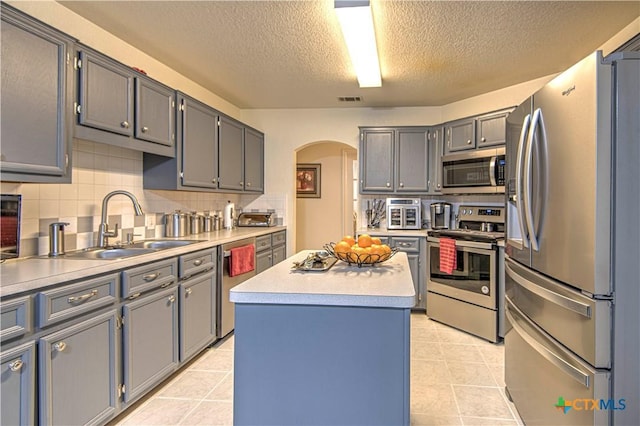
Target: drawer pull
{"points": [[16, 365], [189, 291], [198, 262], [75, 299], [60, 346], [151, 277], [404, 244], [171, 298]]}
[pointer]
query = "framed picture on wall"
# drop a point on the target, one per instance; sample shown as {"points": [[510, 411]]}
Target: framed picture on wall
{"points": [[308, 180]]}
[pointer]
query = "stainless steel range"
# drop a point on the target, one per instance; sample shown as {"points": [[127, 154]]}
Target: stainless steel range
{"points": [[466, 289]]}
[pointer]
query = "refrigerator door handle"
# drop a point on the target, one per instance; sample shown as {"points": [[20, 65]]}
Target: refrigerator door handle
{"points": [[528, 175], [547, 353], [555, 298], [519, 170]]}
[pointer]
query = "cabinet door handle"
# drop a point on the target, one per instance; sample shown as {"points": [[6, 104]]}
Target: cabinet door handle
{"points": [[197, 262], [241, 183], [388, 185], [151, 277], [248, 183], [75, 299], [401, 184], [214, 180], [171, 298], [15, 365], [468, 141], [189, 291], [60, 346], [124, 124], [483, 139], [144, 129]]}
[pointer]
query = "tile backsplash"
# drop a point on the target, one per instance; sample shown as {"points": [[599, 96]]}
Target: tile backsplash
{"points": [[97, 170]]}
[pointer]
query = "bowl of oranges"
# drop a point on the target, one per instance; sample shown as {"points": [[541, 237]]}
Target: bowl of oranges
{"points": [[365, 250]]}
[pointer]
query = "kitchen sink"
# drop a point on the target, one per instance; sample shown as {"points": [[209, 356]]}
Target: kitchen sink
{"points": [[108, 253], [129, 250], [162, 244]]}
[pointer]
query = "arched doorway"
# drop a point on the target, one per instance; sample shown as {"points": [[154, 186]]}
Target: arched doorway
{"points": [[330, 216]]}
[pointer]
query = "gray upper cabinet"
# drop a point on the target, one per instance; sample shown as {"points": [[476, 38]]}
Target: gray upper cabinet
{"points": [[215, 153], [492, 129], [394, 160], [119, 106], [377, 160], [460, 135], [106, 94], [199, 143], [36, 102], [154, 112], [231, 139], [435, 160], [79, 364], [412, 153], [17, 365], [253, 160]]}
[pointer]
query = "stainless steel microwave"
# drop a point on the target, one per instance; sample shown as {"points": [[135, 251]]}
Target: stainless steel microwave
{"points": [[477, 172]]}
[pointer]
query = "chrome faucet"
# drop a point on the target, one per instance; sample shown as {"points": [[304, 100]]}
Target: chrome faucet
{"points": [[103, 230]]}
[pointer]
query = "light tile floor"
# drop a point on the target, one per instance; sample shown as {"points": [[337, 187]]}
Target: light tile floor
{"points": [[456, 379]]}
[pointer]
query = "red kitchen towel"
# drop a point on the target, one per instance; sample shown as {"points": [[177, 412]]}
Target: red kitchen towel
{"points": [[448, 258], [241, 260]]}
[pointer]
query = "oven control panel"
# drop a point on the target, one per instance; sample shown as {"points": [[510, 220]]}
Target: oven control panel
{"points": [[481, 214]]}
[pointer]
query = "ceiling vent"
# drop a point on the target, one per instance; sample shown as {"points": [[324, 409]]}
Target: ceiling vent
{"points": [[349, 99]]}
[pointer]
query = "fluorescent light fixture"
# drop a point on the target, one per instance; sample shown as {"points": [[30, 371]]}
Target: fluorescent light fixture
{"points": [[357, 28]]}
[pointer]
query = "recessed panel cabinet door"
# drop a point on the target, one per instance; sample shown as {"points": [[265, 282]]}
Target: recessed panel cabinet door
{"points": [[492, 130], [18, 372], [37, 97], [150, 341], [253, 161], [197, 314], [78, 377], [106, 94], [199, 140], [376, 161], [155, 112], [231, 139], [412, 152], [461, 135]]}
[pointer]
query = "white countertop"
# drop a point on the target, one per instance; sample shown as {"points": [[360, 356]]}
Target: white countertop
{"points": [[388, 284], [32, 273]]}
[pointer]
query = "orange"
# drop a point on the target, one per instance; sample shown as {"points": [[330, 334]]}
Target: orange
{"points": [[349, 239], [364, 240], [376, 240], [342, 247]]}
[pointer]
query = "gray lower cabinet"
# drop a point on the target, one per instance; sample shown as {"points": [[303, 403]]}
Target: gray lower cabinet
{"points": [[37, 100], [17, 387], [270, 250], [78, 372], [150, 341], [119, 106], [197, 314], [197, 301], [416, 249]]}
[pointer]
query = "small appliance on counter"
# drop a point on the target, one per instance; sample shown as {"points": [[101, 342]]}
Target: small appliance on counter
{"points": [[229, 213], [248, 219], [404, 213], [440, 215]]}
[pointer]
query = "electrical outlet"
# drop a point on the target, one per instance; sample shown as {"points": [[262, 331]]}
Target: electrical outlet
{"points": [[150, 220]]}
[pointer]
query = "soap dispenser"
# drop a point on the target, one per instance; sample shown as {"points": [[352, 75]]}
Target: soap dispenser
{"points": [[56, 238]]}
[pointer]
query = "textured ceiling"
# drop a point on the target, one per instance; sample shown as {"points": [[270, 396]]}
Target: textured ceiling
{"points": [[290, 54]]}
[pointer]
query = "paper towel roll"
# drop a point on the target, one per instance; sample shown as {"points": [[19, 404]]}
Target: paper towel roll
{"points": [[228, 215]]}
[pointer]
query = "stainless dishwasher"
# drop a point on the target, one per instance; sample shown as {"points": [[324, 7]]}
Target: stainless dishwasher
{"points": [[226, 283]]}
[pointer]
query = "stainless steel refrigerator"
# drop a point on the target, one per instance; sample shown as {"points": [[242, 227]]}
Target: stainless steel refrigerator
{"points": [[572, 340]]}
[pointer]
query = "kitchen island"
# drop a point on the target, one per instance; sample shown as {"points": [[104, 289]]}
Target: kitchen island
{"points": [[323, 347]]}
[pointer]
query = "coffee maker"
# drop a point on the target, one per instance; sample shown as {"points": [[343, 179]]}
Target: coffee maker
{"points": [[440, 215]]}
